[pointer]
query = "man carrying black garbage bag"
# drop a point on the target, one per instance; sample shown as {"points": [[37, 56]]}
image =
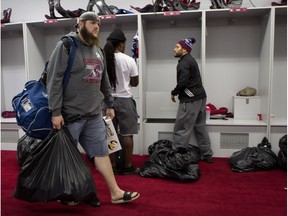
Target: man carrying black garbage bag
{"points": [[191, 115], [88, 85]]}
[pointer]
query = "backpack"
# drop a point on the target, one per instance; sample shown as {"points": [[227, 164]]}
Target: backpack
{"points": [[31, 105]]}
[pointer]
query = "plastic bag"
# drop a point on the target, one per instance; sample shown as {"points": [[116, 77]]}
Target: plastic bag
{"points": [[25, 146], [164, 162], [55, 170], [264, 143], [253, 159], [282, 155]]}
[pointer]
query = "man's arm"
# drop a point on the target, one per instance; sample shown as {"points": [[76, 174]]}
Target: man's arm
{"points": [[134, 81]]}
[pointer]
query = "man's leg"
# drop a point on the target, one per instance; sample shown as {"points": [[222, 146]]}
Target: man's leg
{"points": [[95, 146], [184, 124], [127, 119], [128, 142], [103, 165], [201, 134]]}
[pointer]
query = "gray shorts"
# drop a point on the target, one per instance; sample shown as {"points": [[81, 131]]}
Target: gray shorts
{"points": [[126, 117], [91, 134]]}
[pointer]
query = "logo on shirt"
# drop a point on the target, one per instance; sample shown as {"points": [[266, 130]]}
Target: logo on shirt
{"points": [[95, 66]]}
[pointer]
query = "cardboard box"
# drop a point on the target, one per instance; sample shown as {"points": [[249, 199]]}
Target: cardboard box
{"points": [[112, 138], [246, 107]]}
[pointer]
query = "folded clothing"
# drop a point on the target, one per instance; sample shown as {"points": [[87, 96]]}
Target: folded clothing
{"points": [[215, 111]]}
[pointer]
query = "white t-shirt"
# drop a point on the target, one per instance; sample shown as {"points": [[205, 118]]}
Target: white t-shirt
{"points": [[126, 67]]}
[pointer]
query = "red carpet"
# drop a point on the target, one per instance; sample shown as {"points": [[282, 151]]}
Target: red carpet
{"points": [[218, 192]]}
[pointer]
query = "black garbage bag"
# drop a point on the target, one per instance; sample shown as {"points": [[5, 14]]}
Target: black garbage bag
{"points": [[164, 162], [182, 157], [164, 145], [25, 146], [190, 173], [264, 143], [161, 152], [55, 170], [251, 159], [282, 155], [150, 169], [158, 151]]}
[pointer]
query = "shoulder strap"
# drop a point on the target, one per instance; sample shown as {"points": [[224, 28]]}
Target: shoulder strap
{"points": [[71, 49], [103, 56]]}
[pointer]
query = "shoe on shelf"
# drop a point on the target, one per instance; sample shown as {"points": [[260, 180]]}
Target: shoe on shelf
{"points": [[68, 203], [6, 16], [131, 170], [208, 159]]}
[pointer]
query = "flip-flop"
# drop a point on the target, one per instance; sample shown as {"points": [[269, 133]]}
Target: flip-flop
{"points": [[127, 197]]}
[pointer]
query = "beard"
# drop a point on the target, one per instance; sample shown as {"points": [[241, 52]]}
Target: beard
{"points": [[88, 37], [177, 55]]}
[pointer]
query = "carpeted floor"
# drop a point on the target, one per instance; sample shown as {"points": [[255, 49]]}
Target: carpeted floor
{"points": [[218, 192]]}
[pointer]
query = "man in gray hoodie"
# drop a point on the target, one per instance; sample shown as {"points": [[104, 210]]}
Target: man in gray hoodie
{"points": [[87, 87]]}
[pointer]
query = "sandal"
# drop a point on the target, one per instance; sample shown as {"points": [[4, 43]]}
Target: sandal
{"points": [[103, 8], [60, 9], [51, 10], [6, 16], [76, 13], [127, 197]]}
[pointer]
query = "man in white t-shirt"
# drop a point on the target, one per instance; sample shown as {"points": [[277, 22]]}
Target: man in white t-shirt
{"points": [[123, 75]]}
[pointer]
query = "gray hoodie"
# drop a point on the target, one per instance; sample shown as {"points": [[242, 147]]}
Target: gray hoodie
{"points": [[88, 84]]}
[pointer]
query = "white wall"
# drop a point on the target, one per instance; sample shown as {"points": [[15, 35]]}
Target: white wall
{"points": [[34, 10]]}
